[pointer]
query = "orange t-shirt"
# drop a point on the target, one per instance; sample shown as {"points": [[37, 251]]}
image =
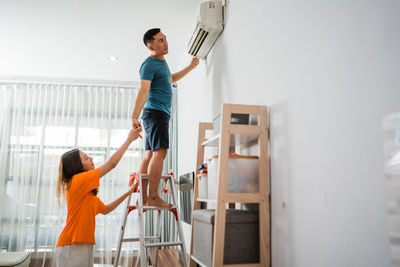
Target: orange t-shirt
{"points": [[83, 206]]}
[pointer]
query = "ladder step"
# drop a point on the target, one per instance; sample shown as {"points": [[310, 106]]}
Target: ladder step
{"points": [[145, 177], [137, 239], [163, 244], [153, 208]]}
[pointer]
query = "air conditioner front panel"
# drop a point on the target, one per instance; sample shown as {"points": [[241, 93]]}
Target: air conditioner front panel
{"points": [[207, 28]]}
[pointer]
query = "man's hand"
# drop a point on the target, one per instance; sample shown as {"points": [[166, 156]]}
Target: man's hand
{"points": [[135, 123], [180, 74], [194, 62]]}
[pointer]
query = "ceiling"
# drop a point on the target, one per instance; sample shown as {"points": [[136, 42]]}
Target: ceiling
{"points": [[75, 39]]}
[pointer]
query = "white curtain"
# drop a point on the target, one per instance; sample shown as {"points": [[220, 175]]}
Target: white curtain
{"points": [[39, 122]]}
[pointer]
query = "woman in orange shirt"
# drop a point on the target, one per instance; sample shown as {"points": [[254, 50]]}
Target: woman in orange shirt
{"points": [[79, 181]]}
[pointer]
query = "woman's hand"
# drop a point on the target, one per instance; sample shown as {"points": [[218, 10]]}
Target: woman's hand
{"points": [[110, 207], [134, 134], [133, 188]]}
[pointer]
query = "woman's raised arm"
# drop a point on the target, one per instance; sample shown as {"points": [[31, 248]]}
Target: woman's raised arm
{"points": [[112, 162]]}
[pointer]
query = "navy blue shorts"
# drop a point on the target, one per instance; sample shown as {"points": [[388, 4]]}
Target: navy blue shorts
{"points": [[156, 125]]}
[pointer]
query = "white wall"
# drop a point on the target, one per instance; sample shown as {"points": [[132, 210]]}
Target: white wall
{"points": [[73, 39], [327, 70]]}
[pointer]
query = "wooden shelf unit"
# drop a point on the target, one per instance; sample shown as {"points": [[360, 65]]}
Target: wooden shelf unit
{"points": [[234, 135]]}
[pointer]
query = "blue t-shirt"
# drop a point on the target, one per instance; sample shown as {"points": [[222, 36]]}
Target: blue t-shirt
{"points": [[160, 94]]}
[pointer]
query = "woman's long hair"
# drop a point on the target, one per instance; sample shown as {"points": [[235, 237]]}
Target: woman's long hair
{"points": [[70, 164]]}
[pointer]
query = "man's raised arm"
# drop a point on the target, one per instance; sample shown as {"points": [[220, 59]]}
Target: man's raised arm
{"points": [[180, 74]]}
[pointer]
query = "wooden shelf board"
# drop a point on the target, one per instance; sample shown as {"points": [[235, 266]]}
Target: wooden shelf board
{"points": [[198, 261], [213, 141], [243, 265], [206, 200], [235, 139], [244, 197]]}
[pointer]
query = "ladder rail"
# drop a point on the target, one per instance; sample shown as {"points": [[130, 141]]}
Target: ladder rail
{"points": [[122, 231], [180, 231], [143, 258], [159, 236]]}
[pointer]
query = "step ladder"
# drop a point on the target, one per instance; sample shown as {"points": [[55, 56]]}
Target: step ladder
{"points": [[151, 241]]}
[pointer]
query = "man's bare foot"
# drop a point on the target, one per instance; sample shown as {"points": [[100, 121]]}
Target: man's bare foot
{"points": [[158, 202]]}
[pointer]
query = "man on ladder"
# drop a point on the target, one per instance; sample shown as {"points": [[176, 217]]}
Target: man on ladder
{"points": [[155, 98], [155, 94]]}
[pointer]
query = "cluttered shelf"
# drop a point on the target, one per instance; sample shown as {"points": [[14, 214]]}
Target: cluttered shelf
{"points": [[232, 178]]}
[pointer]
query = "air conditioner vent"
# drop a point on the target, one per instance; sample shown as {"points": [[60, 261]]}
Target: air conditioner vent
{"points": [[199, 40]]}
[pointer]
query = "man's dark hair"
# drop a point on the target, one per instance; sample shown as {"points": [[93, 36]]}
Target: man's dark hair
{"points": [[149, 35]]}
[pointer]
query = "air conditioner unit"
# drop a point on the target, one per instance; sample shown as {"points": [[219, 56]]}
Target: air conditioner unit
{"points": [[207, 27]]}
